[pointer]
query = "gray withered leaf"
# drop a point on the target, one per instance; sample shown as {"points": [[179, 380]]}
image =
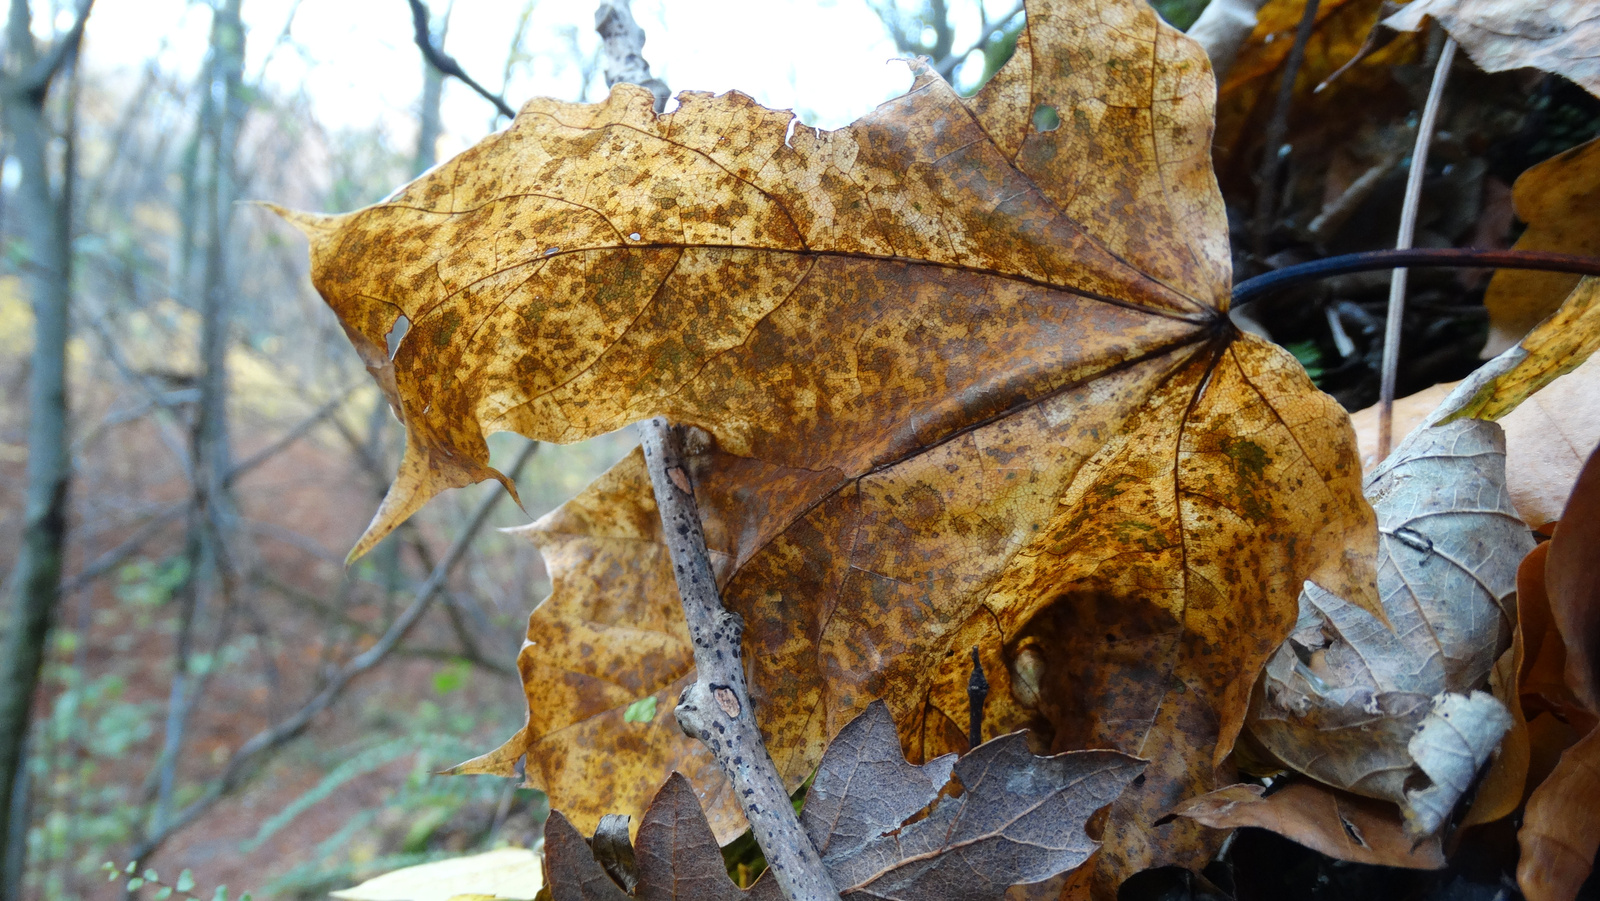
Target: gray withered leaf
{"points": [[967, 828], [1000, 815], [676, 859], [1394, 713]]}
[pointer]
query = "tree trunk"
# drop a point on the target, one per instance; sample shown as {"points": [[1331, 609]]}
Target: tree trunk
{"points": [[44, 213]]}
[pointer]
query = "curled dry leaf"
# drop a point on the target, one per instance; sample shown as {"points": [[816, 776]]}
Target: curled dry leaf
{"points": [[1548, 433], [1560, 36], [886, 829], [1388, 710], [1560, 200], [953, 372], [1340, 824], [1561, 827]]}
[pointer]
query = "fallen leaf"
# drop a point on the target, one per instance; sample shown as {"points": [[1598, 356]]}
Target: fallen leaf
{"points": [[1561, 826], [1560, 200], [1339, 824], [952, 372], [508, 873], [1390, 710], [885, 828], [1561, 36]]}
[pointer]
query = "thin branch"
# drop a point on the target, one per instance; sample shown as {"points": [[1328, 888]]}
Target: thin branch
{"points": [[288, 438], [1253, 289], [446, 63], [245, 759], [114, 557], [1408, 227], [716, 708], [1277, 129]]}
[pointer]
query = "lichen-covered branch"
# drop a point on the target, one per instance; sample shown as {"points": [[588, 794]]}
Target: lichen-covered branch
{"points": [[623, 48], [716, 708]]}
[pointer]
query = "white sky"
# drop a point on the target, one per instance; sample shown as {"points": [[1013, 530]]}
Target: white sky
{"points": [[830, 60]]}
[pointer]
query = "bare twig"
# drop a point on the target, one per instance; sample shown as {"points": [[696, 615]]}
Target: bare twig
{"points": [[251, 753], [1277, 128], [622, 41], [1408, 227], [716, 708], [288, 438], [446, 63], [977, 694], [114, 557]]}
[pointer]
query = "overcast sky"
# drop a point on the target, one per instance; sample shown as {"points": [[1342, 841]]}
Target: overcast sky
{"points": [[829, 60]]}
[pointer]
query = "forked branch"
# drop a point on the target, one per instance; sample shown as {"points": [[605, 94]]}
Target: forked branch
{"points": [[716, 708]]}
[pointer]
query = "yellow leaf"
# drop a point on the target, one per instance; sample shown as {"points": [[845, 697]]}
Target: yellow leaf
{"points": [[509, 873], [1560, 201]]}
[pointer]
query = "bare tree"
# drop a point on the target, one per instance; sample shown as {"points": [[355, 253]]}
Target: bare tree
{"points": [[45, 210], [428, 117], [212, 514], [927, 30]]}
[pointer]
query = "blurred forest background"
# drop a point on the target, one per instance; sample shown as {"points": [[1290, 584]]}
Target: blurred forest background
{"points": [[218, 692]]}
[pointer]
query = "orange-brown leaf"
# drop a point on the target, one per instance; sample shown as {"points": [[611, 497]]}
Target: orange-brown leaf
{"points": [[1247, 97], [1561, 827]]}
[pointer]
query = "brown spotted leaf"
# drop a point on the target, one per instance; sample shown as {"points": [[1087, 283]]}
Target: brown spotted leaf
{"points": [[959, 382]]}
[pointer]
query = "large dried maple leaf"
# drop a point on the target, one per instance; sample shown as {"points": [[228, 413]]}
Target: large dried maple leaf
{"points": [[962, 382]]}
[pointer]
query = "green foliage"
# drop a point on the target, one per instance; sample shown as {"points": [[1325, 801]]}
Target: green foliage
{"points": [[1310, 356], [90, 724], [452, 677], [428, 817], [183, 888], [150, 583], [1180, 13]]}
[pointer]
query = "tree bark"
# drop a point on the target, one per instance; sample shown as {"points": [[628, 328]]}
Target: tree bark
{"points": [[45, 213]]}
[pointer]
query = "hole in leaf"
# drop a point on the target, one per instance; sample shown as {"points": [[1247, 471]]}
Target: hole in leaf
{"points": [[1045, 118], [396, 332]]}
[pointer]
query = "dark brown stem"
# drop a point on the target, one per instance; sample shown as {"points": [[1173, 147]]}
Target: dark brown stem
{"points": [[1253, 289], [716, 708], [977, 694]]}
